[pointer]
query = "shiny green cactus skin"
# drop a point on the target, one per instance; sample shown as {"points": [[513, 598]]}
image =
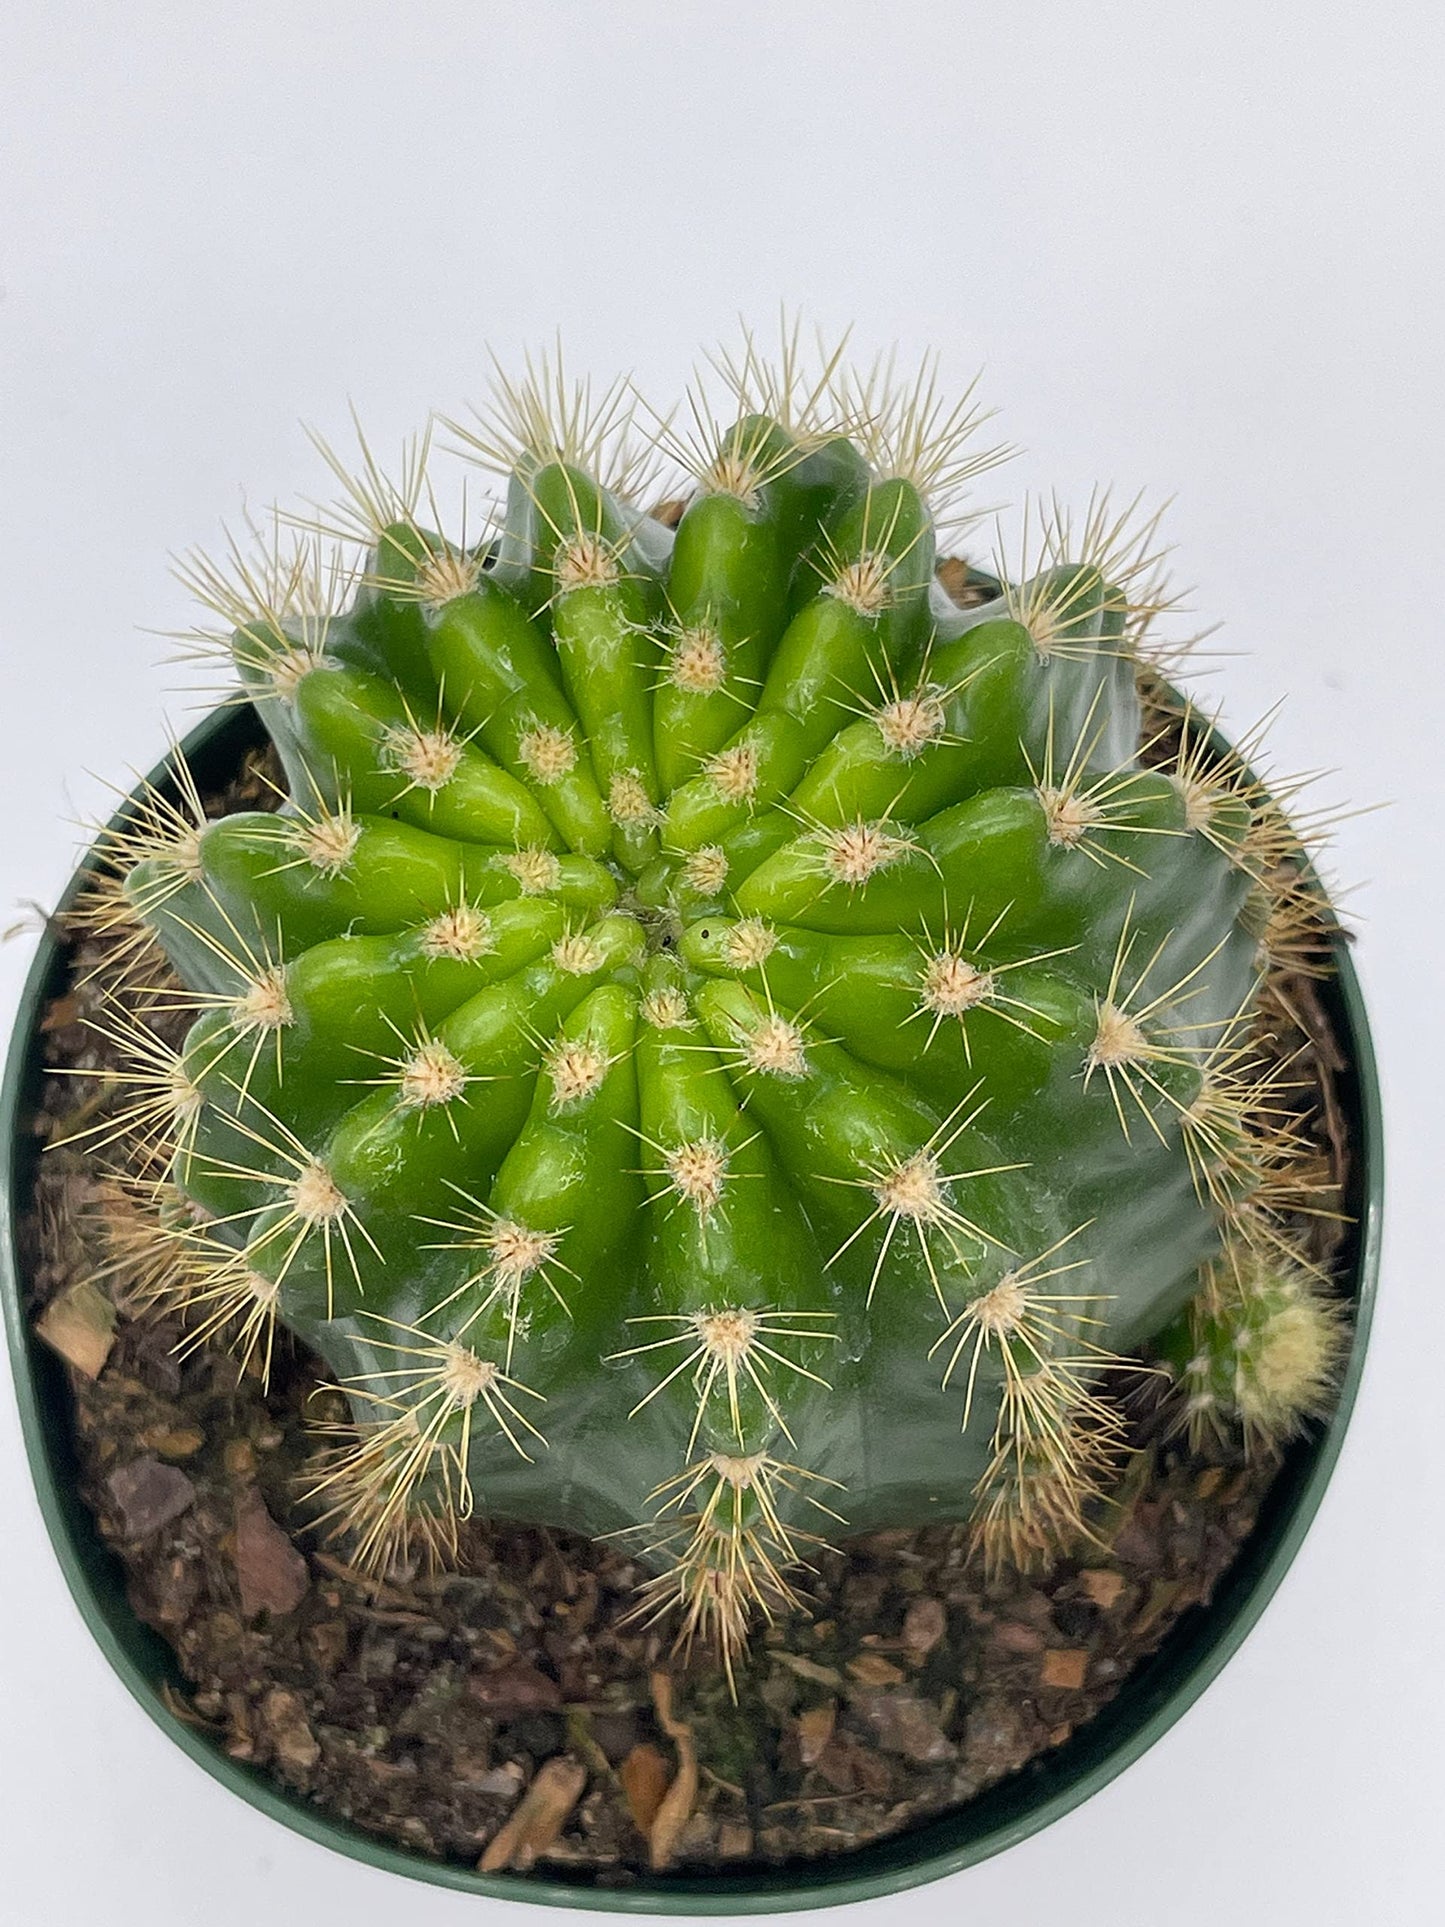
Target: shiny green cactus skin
{"points": [[709, 1047]]}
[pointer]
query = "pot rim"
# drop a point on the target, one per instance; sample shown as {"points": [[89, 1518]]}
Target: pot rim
{"points": [[1156, 1694]]}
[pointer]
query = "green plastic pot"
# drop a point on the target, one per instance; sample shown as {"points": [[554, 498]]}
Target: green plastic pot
{"points": [[1148, 1704]]}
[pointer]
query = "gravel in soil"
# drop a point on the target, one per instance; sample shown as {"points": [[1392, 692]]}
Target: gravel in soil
{"points": [[506, 1712]]}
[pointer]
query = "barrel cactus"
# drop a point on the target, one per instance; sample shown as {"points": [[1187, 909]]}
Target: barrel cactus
{"points": [[724, 1040]]}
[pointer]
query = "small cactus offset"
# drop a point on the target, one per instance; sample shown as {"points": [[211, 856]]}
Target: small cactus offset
{"points": [[724, 1041]]}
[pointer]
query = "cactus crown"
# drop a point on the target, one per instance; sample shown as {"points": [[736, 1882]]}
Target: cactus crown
{"points": [[724, 1039]]}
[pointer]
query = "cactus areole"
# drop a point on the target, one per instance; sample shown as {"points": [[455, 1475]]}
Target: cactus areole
{"points": [[721, 1042]]}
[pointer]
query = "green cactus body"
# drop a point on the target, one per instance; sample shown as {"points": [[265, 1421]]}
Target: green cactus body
{"points": [[716, 1044]]}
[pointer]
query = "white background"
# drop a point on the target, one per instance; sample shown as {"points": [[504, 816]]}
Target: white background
{"points": [[1196, 248]]}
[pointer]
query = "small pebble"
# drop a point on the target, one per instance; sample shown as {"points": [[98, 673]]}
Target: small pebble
{"points": [[1015, 1637], [148, 1495], [285, 1719], [518, 1687], [924, 1626], [272, 1575], [908, 1726]]}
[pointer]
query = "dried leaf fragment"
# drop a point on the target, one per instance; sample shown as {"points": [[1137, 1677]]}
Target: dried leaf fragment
{"points": [[80, 1325], [1101, 1586], [1065, 1666], [644, 1775], [806, 1668], [815, 1729], [678, 1802], [540, 1816], [872, 1669]]}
